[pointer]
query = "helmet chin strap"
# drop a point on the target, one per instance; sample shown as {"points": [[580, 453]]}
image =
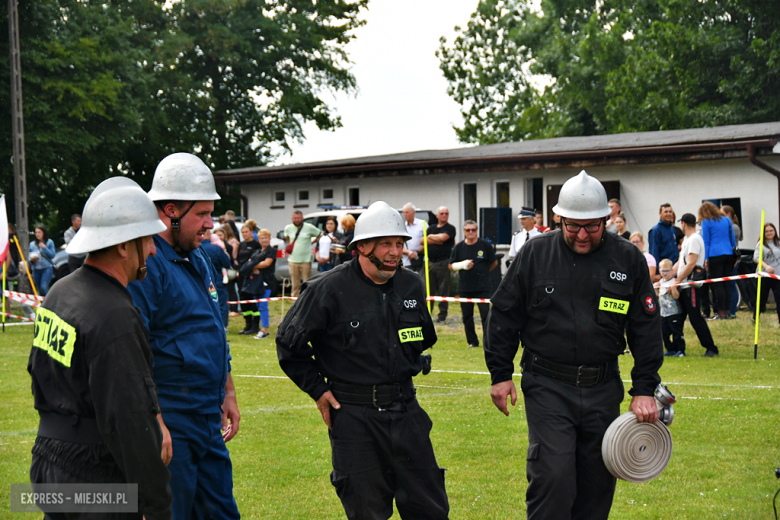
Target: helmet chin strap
{"points": [[175, 227], [377, 262], [140, 274]]}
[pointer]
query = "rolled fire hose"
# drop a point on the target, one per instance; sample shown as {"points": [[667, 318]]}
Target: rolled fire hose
{"points": [[638, 452]]}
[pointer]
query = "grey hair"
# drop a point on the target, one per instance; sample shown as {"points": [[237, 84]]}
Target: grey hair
{"points": [[410, 206], [469, 222]]}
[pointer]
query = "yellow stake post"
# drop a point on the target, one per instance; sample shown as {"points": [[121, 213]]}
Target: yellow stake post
{"points": [[427, 278], [758, 291]]}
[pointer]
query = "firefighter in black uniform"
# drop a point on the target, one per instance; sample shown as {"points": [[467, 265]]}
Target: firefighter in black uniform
{"points": [[91, 364], [353, 341], [568, 297]]}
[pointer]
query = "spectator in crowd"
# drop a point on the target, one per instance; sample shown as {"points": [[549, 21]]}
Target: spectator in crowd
{"points": [[231, 246], [539, 222], [230, 220], [257, 274], [413, 248], [614, 206], [690, 267], [252, 225], [556, 223], [719, 258], [441, 240], [245, 251], [672, 317], [348, 225], [74, 261], [221, 261], [638, 240], [266, 267], [526, 233], [621, 227], [662, 240], [301, 234], [473, 259], [41, 256], [770, 263], [729, 212], [324, 255]]}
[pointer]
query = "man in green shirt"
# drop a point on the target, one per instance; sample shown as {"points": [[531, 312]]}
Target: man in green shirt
{"points": [[302, 234]]}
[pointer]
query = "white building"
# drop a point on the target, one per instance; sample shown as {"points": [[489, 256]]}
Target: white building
{"points": [[736, 165]]}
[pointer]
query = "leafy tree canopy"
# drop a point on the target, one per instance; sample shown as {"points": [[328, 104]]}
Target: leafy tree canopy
{"points": [[110, 88], [586, 67]]}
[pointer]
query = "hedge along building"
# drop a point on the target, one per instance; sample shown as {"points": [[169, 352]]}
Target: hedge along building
{"points": [[736, 165]]}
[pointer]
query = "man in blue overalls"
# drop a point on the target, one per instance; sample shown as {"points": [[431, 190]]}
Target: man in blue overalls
{"points": [[180, 307]]}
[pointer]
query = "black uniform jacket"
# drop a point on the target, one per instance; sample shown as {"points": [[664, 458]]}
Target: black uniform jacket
{"points": [[91, 358], [574, 309], [348, 329]]}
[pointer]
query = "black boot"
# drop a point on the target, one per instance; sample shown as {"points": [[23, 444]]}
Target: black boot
{"points": [[255, 326], [248, 327]]}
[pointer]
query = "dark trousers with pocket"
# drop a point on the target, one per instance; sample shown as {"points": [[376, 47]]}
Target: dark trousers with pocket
{"points": [[467, 310], [689, 299], [672, 330], [382, 455], [567, 478], [439, 275]]}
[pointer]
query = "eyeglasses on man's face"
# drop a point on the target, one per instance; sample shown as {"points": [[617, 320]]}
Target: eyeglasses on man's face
{"points": [[470, 230], [591, 228]]}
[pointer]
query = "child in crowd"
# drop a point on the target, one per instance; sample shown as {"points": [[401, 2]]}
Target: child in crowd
{"points": [[672, 318]]}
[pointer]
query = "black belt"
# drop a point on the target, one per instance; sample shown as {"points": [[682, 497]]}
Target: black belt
{"points": [[70, 428], [584, 375], [378, 396]]}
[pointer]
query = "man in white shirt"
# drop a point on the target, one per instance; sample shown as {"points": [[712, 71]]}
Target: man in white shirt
{"points": [[527, 232], [614, 205], [413, 251], [691, 257]]}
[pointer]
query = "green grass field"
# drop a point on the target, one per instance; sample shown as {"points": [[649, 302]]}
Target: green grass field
{"points": [[725, 431]]}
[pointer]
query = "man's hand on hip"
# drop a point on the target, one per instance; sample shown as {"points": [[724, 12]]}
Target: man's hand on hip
{"points": [[644, 407], [323, 405], [499, 393]]}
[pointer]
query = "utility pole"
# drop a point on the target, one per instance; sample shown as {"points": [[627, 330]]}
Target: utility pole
{"points": [[20, 178]]}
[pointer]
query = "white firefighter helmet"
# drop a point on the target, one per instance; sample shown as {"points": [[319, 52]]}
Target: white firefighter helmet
{"points": [[582, 197], [183, 176], [119, 210], [379, 220]]}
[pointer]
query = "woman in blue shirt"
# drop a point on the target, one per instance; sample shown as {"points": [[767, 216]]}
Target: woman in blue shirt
{"points": [[719, 244], [41, 256]]}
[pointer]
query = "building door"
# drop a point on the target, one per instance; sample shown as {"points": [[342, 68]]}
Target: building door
{"points": [[554, 190]]}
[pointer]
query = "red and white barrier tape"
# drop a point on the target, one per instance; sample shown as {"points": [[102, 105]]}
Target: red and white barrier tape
{"points": [[449, 299], [759, 274], [29, 299], [261, 300], [17, 317]]}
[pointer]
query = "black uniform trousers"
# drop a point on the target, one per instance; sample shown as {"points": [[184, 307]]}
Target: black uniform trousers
{"points": [[689, 298], [467, 310], [768, 284], [439, 277], [567, 478], [672, 330], [379, 455], [43, 471]]}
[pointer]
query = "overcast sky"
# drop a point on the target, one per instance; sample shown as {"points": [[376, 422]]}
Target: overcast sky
{"points": [[402, 104]]}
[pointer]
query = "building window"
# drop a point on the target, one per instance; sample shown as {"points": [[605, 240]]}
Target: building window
{"points": [[353, 196], [279, 196], [303, 197], [470, 201], [502, 194], [326, 195]]}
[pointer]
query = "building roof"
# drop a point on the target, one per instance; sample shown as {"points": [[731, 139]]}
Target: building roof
{"points": [[639, 147]]}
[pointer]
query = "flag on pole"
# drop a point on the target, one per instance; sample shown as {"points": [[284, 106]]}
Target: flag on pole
{"points": [[3, 230]]}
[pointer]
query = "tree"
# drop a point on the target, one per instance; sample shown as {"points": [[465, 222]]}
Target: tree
{"points": [[110, 88], [585, 67]]}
